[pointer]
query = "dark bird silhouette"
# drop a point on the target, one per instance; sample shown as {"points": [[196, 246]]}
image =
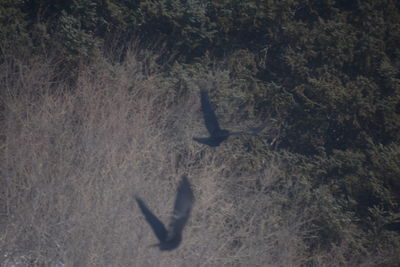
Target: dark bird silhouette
{"points": [[170, 239], [217, 135]]}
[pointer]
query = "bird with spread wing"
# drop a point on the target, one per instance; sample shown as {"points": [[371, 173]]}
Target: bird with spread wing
{"points": [[171, 238], [217, 135]]}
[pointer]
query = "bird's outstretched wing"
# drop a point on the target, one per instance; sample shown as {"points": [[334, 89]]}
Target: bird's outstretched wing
{"points": [[210, 119], [254, 130], [157, 226], [183, 206]]}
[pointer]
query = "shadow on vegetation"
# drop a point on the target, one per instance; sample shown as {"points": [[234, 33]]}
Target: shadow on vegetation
{"points": [[170, 239], [217, 135]]}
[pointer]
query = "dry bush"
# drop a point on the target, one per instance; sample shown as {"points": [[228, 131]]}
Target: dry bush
{"points": [[73, 158]]}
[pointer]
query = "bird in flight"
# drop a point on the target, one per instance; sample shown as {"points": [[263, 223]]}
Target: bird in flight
{"points": [[217, 135], [171, 238]]}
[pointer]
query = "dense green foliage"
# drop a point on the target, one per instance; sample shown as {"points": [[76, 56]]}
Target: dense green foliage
{"points": [[327, 71]]}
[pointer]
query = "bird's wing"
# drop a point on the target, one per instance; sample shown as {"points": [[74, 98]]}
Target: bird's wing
{"points": [[209, 116], [254, 130], [183, 205], [157, 226]]}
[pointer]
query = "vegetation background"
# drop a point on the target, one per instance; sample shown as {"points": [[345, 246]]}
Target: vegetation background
{"points": [[100, 100]]}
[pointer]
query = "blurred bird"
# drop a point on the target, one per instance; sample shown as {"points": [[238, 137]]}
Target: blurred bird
{"points": [[170, 239], [217, 135]]}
